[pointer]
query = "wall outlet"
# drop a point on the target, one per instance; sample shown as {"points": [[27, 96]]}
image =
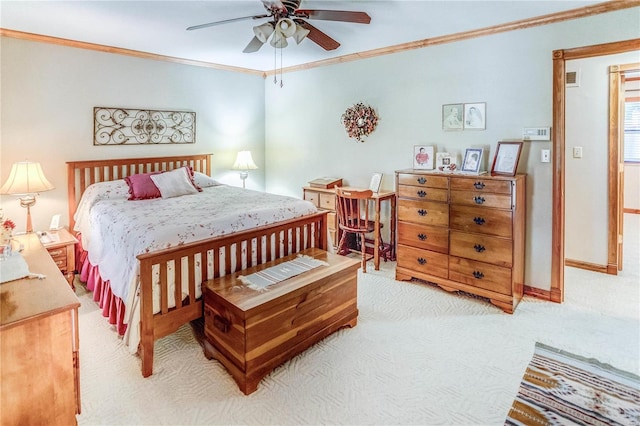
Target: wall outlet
{"points": [[577, 152], [545, 156], [536, 133]]}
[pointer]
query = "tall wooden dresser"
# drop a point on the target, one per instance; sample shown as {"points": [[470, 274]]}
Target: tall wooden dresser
{"points": [[463, 232], [39, 369]]}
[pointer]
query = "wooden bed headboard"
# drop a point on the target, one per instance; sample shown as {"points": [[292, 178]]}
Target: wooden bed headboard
{"points": [[81, 174]]}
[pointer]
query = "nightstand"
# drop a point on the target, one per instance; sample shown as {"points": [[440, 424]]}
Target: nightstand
{"points": [[62, 250]]}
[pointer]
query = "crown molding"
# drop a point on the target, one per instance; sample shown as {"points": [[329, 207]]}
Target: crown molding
{"points": [[608, 6]]}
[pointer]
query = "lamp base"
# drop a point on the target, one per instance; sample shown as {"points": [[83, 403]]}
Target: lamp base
{"points": [[27, 202], [244, 176]]}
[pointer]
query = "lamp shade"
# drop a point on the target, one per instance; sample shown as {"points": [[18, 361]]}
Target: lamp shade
{"points": [[263, 31], [244, 161], [286, 27], [300, 33], [26, 178]]}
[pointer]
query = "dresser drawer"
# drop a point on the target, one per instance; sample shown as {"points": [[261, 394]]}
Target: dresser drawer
{"points": [[424, 261], [313, 197], [481, 275], [482, 220], [422, 193], [496, 250], [332, 221], [423, 180], [483, 199], [327, 201], [59, 256], [434, 238], [483, 185], [424, 212]]}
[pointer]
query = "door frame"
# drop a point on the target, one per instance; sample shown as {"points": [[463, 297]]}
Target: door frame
{"points": [[558, 183]]}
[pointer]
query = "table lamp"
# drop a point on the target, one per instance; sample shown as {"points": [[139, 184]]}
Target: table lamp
{"points": [[244, 163], [26, 180]]}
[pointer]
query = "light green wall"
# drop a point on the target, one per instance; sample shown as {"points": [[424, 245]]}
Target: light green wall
{"points": [[511, 72]]}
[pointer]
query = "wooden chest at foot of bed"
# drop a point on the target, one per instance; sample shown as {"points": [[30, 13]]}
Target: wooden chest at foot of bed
{"points": [[251, 332]]}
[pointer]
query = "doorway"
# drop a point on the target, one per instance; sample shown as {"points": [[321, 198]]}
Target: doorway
{"points": [[560, 57]]}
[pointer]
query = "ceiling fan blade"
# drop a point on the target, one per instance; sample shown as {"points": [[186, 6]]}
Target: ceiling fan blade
{"points": [[226, 21], [254, 45], [318, 37], [334, 15]]}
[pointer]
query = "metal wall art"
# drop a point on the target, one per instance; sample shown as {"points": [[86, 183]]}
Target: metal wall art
{"points": [[120, 126]]}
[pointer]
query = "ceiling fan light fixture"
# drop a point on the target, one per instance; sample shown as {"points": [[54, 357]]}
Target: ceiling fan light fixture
{"points": [[263, 32], [286, 26], [300, 33], [278, 40]]}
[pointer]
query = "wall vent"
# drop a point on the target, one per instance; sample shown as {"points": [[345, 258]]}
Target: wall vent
{"points": [[572, 78]]}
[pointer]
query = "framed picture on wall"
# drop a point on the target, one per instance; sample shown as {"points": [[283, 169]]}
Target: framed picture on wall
{"points": [[505, 162], [475, 116], [472, 160], [423, 157], [452, 116]]}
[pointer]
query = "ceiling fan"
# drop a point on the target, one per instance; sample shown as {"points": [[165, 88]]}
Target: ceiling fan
{"points": [[287, 20]]}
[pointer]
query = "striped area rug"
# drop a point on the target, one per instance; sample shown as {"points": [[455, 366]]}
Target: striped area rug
{"points": [[559, 388]]}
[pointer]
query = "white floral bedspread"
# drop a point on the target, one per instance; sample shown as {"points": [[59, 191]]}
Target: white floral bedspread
{"points": [[115, 230]]}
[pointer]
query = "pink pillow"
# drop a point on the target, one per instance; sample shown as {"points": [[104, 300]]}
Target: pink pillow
{"points": [[141, 187]]}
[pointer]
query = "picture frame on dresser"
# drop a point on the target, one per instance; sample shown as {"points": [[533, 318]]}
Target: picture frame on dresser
{"points": [[505, 162], [375, 182], [472, 160], [423, 157]]}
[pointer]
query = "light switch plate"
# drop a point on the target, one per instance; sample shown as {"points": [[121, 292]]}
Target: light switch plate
{"points": [[536, 133]]}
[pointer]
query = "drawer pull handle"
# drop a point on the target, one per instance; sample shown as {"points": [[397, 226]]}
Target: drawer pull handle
{"points": [[479, 220], [477, 274], [221, 323], [421, 194], [479, 185], [56, 252], [422, 212], [479, 248], [422, 180], [422, 260], [478, 200], [422, 237], [59, 262]]}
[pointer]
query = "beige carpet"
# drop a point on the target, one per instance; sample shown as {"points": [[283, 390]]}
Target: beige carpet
{"points": [[419, 355]]}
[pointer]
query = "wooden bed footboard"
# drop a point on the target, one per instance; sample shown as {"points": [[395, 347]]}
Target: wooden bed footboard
{"points": [[230, 253]]}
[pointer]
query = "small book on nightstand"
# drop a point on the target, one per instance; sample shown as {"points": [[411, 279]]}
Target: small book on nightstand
{"points": [[325, 182]]}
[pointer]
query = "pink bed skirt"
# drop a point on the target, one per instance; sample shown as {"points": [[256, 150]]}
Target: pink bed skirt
{"points": [[112, 306]]}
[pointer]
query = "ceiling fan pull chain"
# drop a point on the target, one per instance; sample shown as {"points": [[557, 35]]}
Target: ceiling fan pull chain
{"points": [[281, 83], [275, 65]]}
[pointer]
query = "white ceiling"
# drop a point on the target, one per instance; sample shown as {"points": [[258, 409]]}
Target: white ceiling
{"points": [[160, 26]]}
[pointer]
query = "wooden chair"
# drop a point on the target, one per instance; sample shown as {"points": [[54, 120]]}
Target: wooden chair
{"points": [[353, 218]]}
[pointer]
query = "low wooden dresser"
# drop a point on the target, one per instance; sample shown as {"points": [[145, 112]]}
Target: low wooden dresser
{"points": [[463, 232], [40, 369], [251, 332], [325, 199], [62, 249]]}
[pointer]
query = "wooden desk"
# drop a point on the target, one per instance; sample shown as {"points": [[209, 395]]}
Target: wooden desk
{"points": [[40, 375], [377, 199]]}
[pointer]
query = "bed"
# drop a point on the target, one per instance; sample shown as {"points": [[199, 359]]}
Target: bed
{"points": [[168, 277]]}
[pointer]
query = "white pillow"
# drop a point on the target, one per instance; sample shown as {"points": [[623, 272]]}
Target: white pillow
{"points": [[204, 181], [174, 183]]}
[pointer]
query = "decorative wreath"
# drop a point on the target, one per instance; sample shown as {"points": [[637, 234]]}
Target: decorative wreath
{"points": [[360, 121]]}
